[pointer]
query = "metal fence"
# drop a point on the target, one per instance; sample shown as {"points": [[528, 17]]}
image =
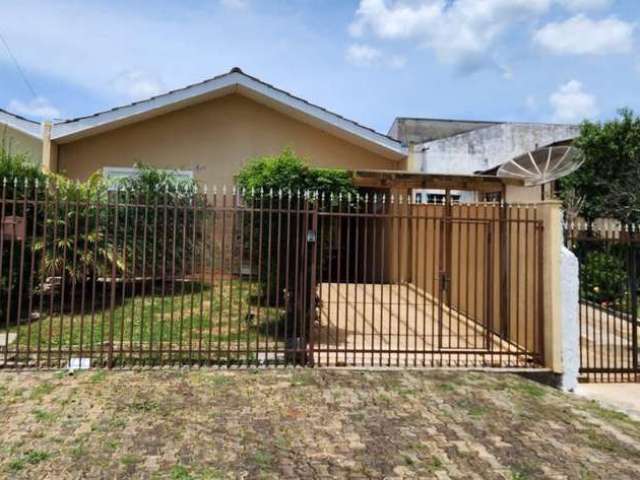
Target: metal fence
{"points": [[608, 259], [226, 279]]}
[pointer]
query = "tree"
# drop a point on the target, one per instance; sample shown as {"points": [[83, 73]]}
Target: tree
{"points": [[607, 183]]}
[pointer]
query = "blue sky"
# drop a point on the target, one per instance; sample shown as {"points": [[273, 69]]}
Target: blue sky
{"points": [[370, 60]]}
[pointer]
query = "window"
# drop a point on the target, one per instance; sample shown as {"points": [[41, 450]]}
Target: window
{"points": [[115, 173]]}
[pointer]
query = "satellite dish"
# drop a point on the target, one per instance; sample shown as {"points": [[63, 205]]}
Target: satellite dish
{"points": [[542, 165]]}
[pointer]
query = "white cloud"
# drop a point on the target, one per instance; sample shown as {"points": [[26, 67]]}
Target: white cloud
{"points": [[238, 4], [90, 44], [362, 55], [571, 103], [137, 85], [580, 35], [582, 5], [460, 33], [38, 108]]}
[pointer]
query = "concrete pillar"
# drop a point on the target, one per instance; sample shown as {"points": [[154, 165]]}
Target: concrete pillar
{"points": [[414, 158], [551, 215], [49, 150], [560, 285]]}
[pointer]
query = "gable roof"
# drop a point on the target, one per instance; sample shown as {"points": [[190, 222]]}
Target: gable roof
{"points": [[24, 125], [238, 82]]}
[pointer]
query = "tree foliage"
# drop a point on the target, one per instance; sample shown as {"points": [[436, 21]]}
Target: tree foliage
{"points": [[288, 172], [608, 181], [287, 176]]}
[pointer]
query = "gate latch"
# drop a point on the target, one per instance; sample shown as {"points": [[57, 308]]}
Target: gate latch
{"points": [[444, 281], [311, 236]]}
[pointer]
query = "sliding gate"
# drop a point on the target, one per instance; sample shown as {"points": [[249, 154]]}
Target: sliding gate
{"points": [[401, 284]]}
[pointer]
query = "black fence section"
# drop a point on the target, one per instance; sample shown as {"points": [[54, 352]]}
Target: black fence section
{"points": [[227, 278], [608, 257]]}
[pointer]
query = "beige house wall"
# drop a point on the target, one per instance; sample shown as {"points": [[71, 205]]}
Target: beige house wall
{"points": [[214, 139], [16, 141]]}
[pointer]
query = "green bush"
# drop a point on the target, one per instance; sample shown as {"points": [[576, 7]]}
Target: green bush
{"points": [[82, 241], [604, 278], [288, 172], [19, 178], [172, 218]]}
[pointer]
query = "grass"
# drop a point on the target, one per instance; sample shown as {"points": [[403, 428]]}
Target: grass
{"points": [[179, 472], [187, 315], [528, 389], [44, 416], [32, 457], [130, 459], [42, 390]]}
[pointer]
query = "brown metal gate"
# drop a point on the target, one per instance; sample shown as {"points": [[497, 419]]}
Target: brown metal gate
{"points": [[270, 279]]}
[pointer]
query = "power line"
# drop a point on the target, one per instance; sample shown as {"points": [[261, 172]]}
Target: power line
{"points": [[18, 67]]}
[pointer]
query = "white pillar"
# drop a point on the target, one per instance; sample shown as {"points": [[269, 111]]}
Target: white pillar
{"points": [[569, 313]]}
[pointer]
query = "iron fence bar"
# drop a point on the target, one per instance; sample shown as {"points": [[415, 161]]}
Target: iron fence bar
{"points": [[10, 272], [21, 274], [32, 270], [240, 217], [145, 223], [634, 303]]}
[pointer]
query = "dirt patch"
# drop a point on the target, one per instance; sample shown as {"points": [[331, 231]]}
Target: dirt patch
{"points": [[305, 424]]}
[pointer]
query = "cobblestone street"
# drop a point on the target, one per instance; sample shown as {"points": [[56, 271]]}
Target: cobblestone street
{"points": [[305, 424]]}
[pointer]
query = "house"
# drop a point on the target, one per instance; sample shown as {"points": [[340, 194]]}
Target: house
{"points": [[212, 129]]}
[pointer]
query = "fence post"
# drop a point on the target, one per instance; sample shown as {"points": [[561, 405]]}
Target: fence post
{"points": [[560, 299], [551, 216]]}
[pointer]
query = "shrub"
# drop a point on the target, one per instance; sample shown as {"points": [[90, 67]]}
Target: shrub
{"points": [[164, 193], [604, 278], [288, 172], [19, 178], [286, 176], [82, 241]]}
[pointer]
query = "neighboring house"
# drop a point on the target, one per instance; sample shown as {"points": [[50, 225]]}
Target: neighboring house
{"points": [[19, 135], [466, 147]]}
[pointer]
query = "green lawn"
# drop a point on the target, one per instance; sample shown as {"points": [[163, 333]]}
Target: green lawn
{"points": [[196, 315]]}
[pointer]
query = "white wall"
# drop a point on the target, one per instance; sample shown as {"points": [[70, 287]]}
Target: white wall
{"points": [[487, 147]]}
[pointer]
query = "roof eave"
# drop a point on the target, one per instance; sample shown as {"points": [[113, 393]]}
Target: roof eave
{"points": [[28, 127], [233, 82]]}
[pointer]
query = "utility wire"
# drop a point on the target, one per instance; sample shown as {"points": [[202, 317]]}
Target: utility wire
{"points": [[18, 67]]}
